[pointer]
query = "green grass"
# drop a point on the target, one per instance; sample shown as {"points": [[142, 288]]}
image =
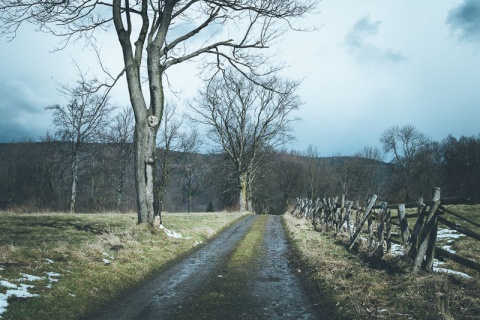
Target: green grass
{"points": [[365, 289], [78, 244], [250, 246]]}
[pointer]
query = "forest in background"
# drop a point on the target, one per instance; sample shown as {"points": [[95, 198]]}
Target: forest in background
{"points": [[36, 176]]}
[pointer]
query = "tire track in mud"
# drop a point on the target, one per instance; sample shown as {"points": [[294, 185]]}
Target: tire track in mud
{"points": [[205, 285]]}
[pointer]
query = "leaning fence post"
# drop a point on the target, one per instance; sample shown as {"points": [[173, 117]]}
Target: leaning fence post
{"points": [[388, 223], [365, 217], [381, 230], [417, 229], [403, 227], [425, 234], [430, 255]]}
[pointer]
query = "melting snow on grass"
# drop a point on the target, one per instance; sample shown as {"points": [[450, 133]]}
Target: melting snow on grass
{"points": [[448, 234], [13, 290], [444, 235], [109, 260], [173, 234], [458, 273], [20, 290]]}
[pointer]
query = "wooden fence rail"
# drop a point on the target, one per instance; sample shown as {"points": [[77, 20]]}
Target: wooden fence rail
{"points": [[374, 221]]}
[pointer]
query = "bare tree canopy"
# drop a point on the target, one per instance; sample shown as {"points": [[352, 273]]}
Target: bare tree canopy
{"points": [[174, 142], [406, 144], [246, 119], [82, 120], [155, 36]]}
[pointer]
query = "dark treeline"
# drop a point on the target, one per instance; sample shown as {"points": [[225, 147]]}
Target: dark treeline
{"points": [[36, 176]]}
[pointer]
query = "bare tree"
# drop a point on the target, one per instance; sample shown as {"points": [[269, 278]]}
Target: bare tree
{"points": [[406, 144], [121, 136], [82, 120], [192, 178], [311, 163], [245, 120], [174, 142], [365, 168], [168, 33]]}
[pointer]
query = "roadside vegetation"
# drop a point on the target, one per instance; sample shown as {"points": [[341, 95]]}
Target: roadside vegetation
{"points": [[70, 264], [367, 289]]}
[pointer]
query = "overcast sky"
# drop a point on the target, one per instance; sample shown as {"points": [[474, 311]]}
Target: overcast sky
{"points": [[369, 65]]}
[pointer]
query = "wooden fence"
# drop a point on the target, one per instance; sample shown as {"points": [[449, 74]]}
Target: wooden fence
{"points": [[373, 221]]}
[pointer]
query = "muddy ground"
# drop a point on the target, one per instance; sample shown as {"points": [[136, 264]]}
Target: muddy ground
{"points": [[201, 286]]}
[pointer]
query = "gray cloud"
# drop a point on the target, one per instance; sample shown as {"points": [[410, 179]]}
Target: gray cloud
{"points": [[464, 20], [22, 112], [358, 46]]}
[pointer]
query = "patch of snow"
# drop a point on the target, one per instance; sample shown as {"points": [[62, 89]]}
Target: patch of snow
{"points": [[72, 295], [173, 234], [458, 273], [396, 249], [3, 303], [448, 248], [19, 291], [8, 285], [52, 276], [437, 263], [448, 234], [110, 258], [197, 243], [29, 277]]}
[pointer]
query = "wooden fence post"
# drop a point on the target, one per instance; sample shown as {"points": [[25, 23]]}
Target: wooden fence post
{"points": [[381, 230], [417, 229], [403, 227], [388, 223], [429, 226], [368, 210], [432, 241], [357, 215], [370, 228], [341, 213]]}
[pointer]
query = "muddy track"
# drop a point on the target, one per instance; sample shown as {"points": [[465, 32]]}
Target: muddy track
{"points": [[202, 286]]}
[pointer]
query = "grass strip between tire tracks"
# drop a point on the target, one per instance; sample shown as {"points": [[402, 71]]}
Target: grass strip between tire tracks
{"points": [[250, 246], [220, 295]]}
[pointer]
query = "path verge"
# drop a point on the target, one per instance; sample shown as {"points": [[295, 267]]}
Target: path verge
{"points": [[365, 290]]}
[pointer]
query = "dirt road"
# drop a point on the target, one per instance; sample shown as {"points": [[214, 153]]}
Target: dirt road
{"points": [[201, 286]]}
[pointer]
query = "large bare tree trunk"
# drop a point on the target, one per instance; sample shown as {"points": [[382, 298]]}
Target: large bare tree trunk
{"points": [[145, 167], [243, 192]]}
